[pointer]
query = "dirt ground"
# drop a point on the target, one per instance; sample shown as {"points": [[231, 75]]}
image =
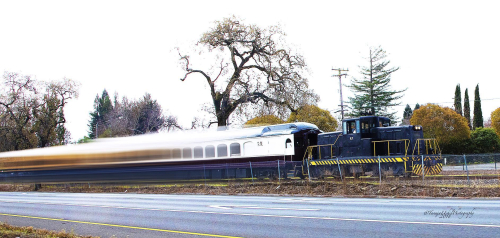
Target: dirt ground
{"points": [[352, 188]]}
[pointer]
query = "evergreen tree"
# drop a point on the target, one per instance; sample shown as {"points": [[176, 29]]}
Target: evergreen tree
{"points": [[458, 100], [99, 117], [373, 91], [416, 107], [478, 114], [407, 115], [467, 107], [408, 112]]}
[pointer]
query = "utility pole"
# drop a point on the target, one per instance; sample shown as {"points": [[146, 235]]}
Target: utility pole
{"points": [[340, 84]]}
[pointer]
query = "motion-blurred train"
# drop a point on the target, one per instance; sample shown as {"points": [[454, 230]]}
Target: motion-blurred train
{"points": [[365, 146]]}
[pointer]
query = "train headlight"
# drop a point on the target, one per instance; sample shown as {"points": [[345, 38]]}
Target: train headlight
{"points": [[417, 128]]}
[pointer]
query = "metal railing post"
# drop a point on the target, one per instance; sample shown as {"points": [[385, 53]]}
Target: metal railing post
{"points": [[340, 171], [279, 172], [465, 162], [204, 175], [388, 149], [379, 171], [251, 171], [308, 172], [423, 169]]}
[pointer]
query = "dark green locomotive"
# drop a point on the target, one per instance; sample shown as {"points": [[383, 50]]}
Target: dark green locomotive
{"points": [[368, 143]]}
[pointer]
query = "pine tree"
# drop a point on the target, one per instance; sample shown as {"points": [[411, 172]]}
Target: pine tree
{"points": [[458, 100], [373, 91], [478, 114], [99, 117], [467, 107]]}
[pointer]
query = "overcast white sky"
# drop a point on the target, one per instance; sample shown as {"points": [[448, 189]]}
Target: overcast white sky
{"points": [[128, 46]]}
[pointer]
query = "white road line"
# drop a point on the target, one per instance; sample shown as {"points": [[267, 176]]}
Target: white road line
{"points": [[296, 217], [264, 208]]}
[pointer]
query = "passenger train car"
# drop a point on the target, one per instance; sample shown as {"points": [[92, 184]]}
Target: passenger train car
{"points": [[363, 146], [241, 153]]}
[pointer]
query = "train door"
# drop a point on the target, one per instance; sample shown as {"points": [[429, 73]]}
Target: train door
{"points": [[351, 139]]}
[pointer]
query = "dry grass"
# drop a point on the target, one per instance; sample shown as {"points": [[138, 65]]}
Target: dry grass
{"points": [[8, 231], [392, 188]]}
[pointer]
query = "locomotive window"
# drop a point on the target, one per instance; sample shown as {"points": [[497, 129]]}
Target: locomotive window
{"points": [[198, 152], [384, 122], [209, 151], [288, 143], [366, 124], [235, 149], [186, 153], [365, 127], [222, 150], [176, 153], [351, 127]]}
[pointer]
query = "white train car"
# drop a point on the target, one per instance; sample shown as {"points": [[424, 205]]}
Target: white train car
{"points": [[164, 156]]}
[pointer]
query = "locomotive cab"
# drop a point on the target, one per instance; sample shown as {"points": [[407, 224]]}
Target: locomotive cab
{"points": [[358, 134], [364, 125]]}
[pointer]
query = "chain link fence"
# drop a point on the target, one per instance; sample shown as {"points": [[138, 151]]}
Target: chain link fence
{"points": [[473, 164]]}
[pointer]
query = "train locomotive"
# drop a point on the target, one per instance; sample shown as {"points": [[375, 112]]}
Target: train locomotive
{"points": [[370, 145], [365, 146]]}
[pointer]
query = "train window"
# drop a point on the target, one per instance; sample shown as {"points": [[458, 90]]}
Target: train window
{"points": [[350, 127], [176, 153], [384, 122], [365, 126], [209, 151], [235, 149], [222, 150], [198, 152], [288, 143], [167, 154], [186, 153]]}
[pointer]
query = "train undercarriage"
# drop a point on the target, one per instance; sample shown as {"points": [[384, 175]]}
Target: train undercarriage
{"points": [[366, 166]]}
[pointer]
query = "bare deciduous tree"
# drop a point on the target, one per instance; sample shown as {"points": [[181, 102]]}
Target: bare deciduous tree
{"points": [[253, 65], [32, 112]]}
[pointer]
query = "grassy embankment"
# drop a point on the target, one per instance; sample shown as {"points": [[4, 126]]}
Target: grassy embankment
{"points": [[8, 231]]}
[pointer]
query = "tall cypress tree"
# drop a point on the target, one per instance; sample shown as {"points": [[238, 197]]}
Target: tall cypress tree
{"points": [[407, 115], [467, 107], [478, 114], [416, 107], [408, 112], [458, 100]]}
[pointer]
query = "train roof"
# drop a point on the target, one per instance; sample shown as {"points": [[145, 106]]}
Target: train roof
{"points": [[162, 140], [364, 117]]}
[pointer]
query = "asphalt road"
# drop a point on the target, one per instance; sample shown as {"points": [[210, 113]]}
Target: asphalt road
{"points": [[147, 215]]}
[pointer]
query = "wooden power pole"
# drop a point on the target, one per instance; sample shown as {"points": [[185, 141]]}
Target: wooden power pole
{"points": [[340, 83]]}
